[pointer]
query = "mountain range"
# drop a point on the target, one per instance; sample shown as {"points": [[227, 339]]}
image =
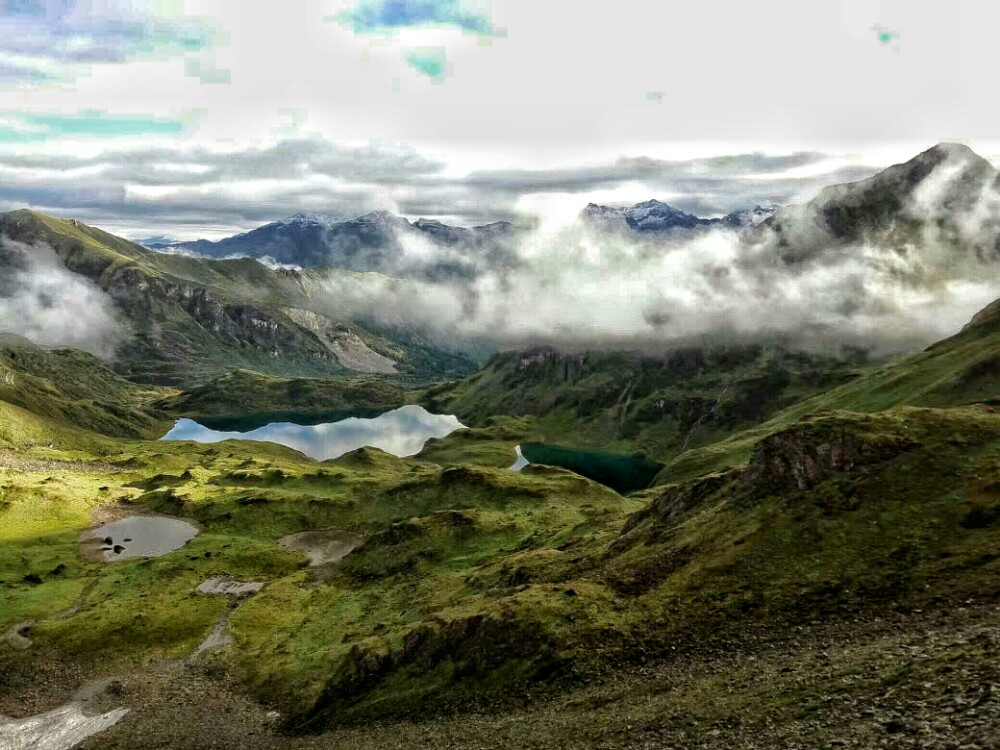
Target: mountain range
{"points": [[427, 249], [947, 195], [378, 241], [185, 320], [654, 217], [188, 319]]}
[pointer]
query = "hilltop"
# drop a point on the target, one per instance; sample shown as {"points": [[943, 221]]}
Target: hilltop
{"points": [[374, 242]]}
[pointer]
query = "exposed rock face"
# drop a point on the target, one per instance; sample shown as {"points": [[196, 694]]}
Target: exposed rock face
{"points": [[663, 516], [803, 456], [229, 586], [161, 312], [348, 348], [676, 500]]}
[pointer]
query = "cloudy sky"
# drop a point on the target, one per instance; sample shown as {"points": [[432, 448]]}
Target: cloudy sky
{"points": [[199, 118]]}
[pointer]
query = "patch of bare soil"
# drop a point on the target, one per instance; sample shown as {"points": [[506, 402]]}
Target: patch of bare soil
{"points": [[322, 547]]}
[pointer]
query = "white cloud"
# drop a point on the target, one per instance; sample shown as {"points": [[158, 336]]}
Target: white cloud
{"points": [[43, 302]]}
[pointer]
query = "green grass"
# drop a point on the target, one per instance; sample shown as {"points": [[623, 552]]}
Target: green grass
{"points": [[958, 371], [474, 581], [76, 387]]}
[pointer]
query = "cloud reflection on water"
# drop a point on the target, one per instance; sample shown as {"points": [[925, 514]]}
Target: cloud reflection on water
{"points": [[401, 432]]}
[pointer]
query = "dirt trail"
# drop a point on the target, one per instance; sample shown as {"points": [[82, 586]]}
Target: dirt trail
{"points": [[218, 637], [237, 591], [81, 598]]}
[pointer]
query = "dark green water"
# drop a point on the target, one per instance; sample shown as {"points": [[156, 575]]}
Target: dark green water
{"points": [[623, 474]]}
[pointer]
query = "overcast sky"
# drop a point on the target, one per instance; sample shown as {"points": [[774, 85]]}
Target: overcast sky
{"points": [[206, 117]]}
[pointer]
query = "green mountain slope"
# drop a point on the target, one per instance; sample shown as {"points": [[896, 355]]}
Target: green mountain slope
{"points": [[477, 587], [963, 369], [76, 387], [242, 398], [190, 319], [656, 404]]}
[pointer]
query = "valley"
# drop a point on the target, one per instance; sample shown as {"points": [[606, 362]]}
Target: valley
{"points": [[738, 542]]}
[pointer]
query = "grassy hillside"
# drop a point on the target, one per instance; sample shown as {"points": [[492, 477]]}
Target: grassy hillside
{"points": [[623, 402], [78, 388], [960, 370], [191, 320], [242, 398], [476, 585], [475, 588]]}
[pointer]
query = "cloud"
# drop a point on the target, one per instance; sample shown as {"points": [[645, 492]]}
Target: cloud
{"points": [[386, 17], [206, 72], [569, 285], [47, 304], [890, 290], [65, 37], [267, 260], [174, 189]]}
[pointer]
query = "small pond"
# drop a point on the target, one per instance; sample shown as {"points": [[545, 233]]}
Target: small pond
{"points": [[402, 432], [138, 536], [623, 474]]}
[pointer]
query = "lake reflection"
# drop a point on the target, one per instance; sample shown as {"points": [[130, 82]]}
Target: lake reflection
{"points": [[401, 432]]}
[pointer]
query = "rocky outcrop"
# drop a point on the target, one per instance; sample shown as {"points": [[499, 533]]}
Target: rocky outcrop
{"points": [[349, 349], [802, 456], [677, 500]]}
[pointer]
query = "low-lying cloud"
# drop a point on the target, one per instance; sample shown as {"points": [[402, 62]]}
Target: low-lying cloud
{"points": [[575, 286], [51, 306]]}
